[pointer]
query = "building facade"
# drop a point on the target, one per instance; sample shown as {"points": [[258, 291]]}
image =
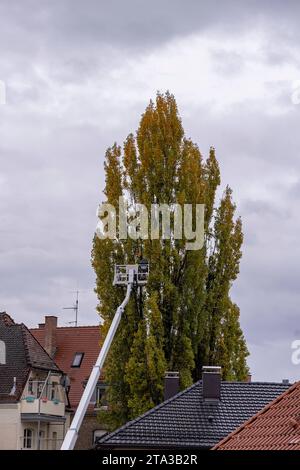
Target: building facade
{"points": [[33, 398]]}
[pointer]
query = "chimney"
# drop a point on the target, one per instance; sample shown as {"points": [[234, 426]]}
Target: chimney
{"points": [[249, 378], [50, 335], [211, 383], [171, 384]]}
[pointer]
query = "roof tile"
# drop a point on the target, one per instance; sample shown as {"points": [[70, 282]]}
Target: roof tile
{"points": [[275, 427], [182, 421]]}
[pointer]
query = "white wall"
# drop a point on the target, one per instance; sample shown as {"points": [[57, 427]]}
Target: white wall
{"points": [[9, 426]]}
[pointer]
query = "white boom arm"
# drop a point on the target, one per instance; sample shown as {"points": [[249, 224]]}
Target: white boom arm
{"points": [[72, 434]]}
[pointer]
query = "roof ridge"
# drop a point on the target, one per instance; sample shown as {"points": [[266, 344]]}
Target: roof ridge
{"points": [[67, 327], [255, 382], [26, 349], [259, 413]]}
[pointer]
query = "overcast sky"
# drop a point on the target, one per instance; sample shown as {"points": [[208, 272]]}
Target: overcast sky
{"points": [[78, 75]]}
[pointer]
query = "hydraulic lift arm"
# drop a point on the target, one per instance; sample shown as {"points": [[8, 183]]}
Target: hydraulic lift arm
{"points": [[72, 434]]}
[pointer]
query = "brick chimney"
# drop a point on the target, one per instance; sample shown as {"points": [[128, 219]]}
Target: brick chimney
{"points": [[171, 384], [211, 383], [50, 335]]}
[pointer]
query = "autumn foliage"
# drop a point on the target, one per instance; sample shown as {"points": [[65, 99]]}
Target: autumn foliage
{"points": [[185, 317]]}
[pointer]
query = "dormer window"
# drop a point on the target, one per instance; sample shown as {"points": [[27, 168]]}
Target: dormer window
{"points": [[2, 352], [77, 359]]}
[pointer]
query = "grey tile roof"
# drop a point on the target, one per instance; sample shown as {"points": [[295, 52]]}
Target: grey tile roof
{"points": [[186, 421], [36, 355], [23, 353]]}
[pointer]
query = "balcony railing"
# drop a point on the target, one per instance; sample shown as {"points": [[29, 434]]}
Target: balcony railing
{"points": [[42, 405], [43, 396], [44, 389], [44, 444]]}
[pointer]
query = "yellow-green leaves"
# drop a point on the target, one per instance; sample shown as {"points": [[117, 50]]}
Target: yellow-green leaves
{"points": [[185, 318]]}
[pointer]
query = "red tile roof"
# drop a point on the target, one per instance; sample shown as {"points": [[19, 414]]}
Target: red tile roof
{"points": [[275, 427], [70, 340]]}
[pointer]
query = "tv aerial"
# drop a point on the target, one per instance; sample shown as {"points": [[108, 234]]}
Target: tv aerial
{"points": [[75, 308]]}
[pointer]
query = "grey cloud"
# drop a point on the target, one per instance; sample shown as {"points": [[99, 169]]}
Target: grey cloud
{"points": [[227, 62], [133, 23], [51, 154], [264, 208]]}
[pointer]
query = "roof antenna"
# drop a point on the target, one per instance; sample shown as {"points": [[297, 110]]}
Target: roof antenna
{"points": [[75, 308]]}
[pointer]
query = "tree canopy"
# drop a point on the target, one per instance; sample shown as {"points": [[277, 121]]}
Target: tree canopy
{"points": [[185, 317]]}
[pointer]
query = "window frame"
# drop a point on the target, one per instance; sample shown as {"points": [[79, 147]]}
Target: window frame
{"points": [[101, 388], [28, 437], [81, 354], [42, 439], [54, 440]]}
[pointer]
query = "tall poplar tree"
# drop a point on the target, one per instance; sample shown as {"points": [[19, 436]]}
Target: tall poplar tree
{"points": [[185, 317]]}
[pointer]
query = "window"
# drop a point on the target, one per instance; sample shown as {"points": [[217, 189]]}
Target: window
{"points": [[2, 352], [97, 434], [53, 390], [77, 359], [35, 387], [30, 387], [101, 401], [54, 440], [42, 439], [28, 438]]}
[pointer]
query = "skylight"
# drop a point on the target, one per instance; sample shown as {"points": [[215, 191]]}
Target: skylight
{"points": [[77, 359]]}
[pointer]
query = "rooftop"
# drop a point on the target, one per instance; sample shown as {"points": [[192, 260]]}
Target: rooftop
{"points": [[186, 420], [275, 427]]}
